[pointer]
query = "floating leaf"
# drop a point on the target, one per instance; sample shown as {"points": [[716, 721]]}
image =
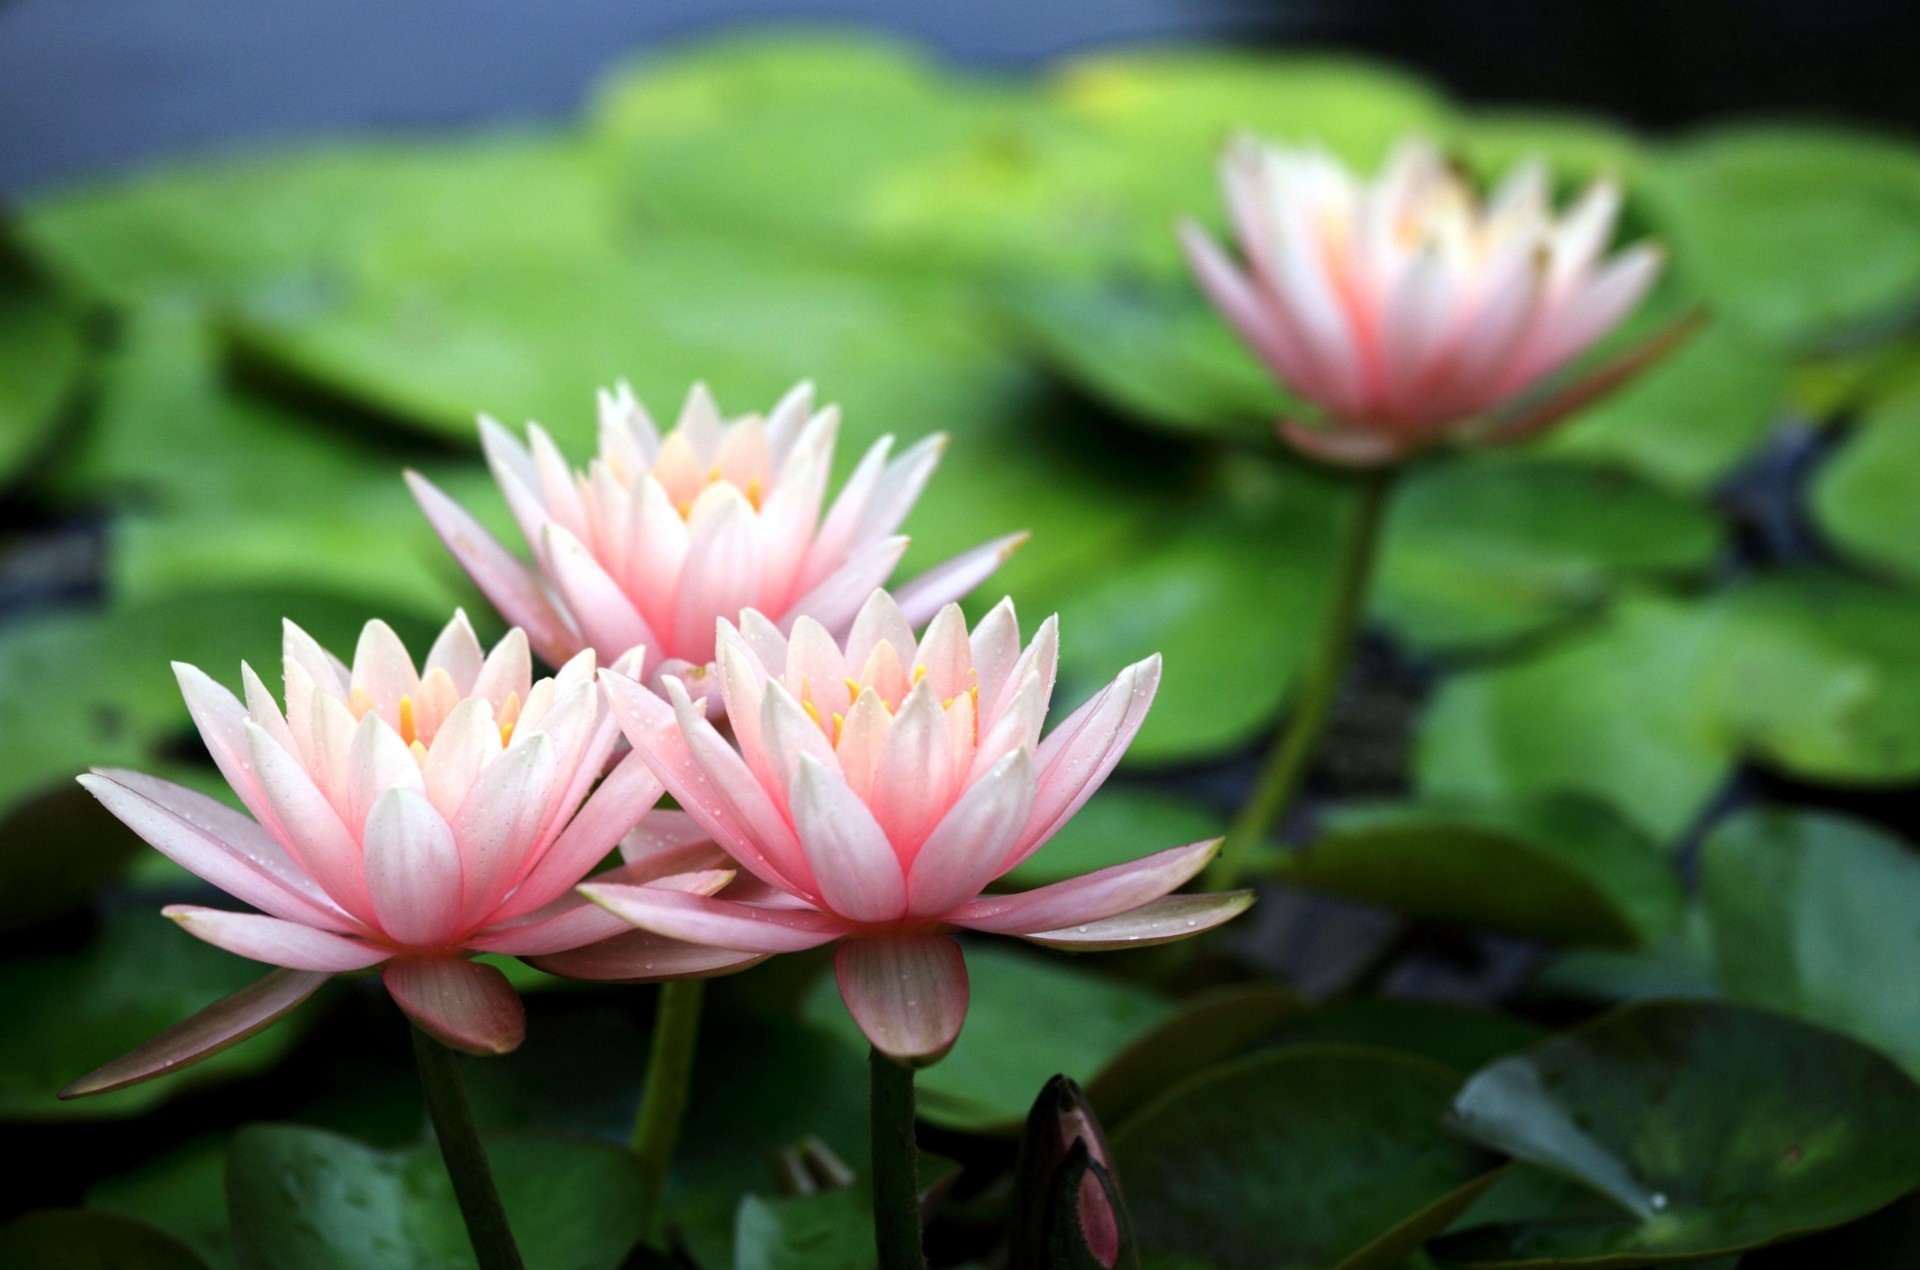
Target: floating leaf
{"points": [[1312, 1156], [304, 1199], [1713, 1127], [1865, 495], [42, 354], [1119, 823], [1215, 1026], [1565, 871], [1793, 231], [1820, 917], [1012, 1042], [1456, 1036], [182, 1193], [1494, 547], [71, 1239], [832, 1230]]}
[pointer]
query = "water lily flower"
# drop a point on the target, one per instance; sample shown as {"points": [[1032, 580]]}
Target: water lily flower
{"points": [[658, 537], [404, 818], [1410, 311], [877, 785]]}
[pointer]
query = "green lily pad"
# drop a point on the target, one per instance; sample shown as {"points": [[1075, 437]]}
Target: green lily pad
{"points": [[1794, 231], [1215, 1025], [1577, 147], [1154, 350], [1818, 916], [1884, 1241], [1119, 823], [1690, 419], [1307, 1157], [1456, 1036], [1566, 871], [1231, 597], [701, 136], [305, 1199], [1713, 1127], [832, 1230], [182, 1192], [1680, 965], [1863, 495], [1810, 671], [1493, 547], [42, 355], [140, 975], [1013, 1042], [310, 221], [72, 1239]]}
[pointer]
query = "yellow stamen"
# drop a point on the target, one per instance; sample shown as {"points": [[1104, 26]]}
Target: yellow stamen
{"points": [[813, 712], [509, 715], [919, 672], [853, 689], [754, 492], [409, 730], [418, 751], [359, 701], [839, 723]]}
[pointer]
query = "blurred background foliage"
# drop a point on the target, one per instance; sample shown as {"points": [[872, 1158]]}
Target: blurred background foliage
{"points": [[1638, 714]]}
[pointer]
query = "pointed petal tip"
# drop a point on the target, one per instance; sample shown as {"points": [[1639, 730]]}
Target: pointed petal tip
{"points": [[464, 1005]]}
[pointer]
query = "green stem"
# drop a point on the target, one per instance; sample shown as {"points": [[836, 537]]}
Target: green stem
{"points": [[896, 1166], [656, 1130], [1319, 686], [465, 1158]]}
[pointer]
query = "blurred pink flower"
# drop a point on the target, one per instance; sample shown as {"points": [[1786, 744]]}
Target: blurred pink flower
{"points": [[879, 785], [407, 820], [658, 538], [1407, 309]]}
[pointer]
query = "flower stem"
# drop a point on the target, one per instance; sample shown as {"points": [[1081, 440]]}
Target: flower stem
{"points": [[896, 1166], [1286, 762], [465, 1158], [656, 1130]]}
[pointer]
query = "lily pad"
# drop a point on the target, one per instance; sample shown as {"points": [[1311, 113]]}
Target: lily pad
{"points": [[1864, 495], [1460, 1037], [73, 1239], [1794, 231], [1490, 548], [1566, 871], [1818, 916], [1231, 598], [1308, 1157], [1811, 671], [305, 1199], [138, 976], [182, 1193], [831, 1230], [1215, 1025], [42, 356], [1713, 1127], [1013, 1042]]}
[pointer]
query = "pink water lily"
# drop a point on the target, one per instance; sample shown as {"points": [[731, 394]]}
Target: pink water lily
{"points": [[1410, 311], [659, 537], [878, 785], [405, 818]]}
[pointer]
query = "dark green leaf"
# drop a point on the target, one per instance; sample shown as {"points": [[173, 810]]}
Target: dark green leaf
{"points": [[304, 1199], [182, 1193], [1308, 1157], [71, 1239], [1820, 917], [1864, 495], [1455, 1036], [1013, 1042], [1567, 870], [832, 1230], [1215, 1026], [42, 353], [1714, 1127], [1493, 547]]}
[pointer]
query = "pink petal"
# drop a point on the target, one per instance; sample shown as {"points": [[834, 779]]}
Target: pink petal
{"points": [[725, 563], [277, 942], [467, 1005], [457, 651], [605, 616], [995, 646], [853, 863], [573, 920], [1090, 897], [662, 832], [497, 824], [413, 870], [640, 956], [964, 851], [383, 669], [624, 797], [378, 761], [840, 594], [326, 851], [913, 783], [924, 594], [1161, 922], [225, 1023], [720, 923], [222, 722], [837, 536], [908, 993], [216, 843], [1073, 763], [1342, 446], [652, 727], [900, 487]]}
